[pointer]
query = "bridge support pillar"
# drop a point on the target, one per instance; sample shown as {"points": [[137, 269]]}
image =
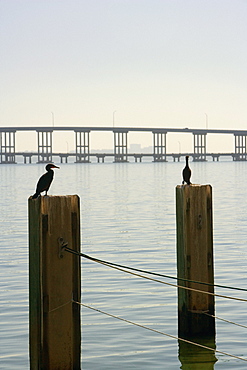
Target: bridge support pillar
{"points": [[7, 146], [100, 157], [199, 147], [240, 147], [27, 157], [44, 146], [120, 146], [159, 149], [82, 146]]}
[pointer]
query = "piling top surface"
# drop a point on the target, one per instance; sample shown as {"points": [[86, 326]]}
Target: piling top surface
{"points": [[53, 196], [193, 190], [192, 186]]}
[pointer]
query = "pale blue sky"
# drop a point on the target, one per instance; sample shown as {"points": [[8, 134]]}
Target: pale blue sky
{"points": [[160, 63]]}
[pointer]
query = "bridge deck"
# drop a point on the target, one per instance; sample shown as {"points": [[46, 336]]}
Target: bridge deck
{"points": [[122, 129]]}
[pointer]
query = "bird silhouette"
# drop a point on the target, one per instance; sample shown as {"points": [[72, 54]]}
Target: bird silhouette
{"points": [[45, 180], [186, 172]]}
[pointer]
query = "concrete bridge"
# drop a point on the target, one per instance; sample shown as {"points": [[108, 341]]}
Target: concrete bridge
{"points": [[30, 157], [120, 144]]}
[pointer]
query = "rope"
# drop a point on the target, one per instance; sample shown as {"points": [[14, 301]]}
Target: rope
{"points": [[155, 280], [149, 272], [160, 332], [220, 318]]}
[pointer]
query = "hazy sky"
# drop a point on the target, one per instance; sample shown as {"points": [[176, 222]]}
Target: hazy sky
{"points": [[160, 63]]}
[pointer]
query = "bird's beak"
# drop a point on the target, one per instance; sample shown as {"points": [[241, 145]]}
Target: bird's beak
{"points": [[53, 166]]}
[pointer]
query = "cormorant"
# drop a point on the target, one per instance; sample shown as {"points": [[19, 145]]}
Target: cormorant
{"points": [[186, 172], [45, 180]]}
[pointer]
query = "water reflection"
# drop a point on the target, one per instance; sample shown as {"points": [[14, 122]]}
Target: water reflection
{"points": [[197, 358]]}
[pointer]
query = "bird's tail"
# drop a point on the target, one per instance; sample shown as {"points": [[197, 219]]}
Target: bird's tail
{"points": [[35, 195]]}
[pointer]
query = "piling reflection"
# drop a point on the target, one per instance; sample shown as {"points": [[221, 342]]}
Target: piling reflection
{"points": [[197, 358]]}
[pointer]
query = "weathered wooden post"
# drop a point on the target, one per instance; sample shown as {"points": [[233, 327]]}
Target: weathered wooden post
{"points": [[195, 260], [54, 281]]}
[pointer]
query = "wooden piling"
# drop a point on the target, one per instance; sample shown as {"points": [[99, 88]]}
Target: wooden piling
{"points": [[54, 281], [195, 260]]}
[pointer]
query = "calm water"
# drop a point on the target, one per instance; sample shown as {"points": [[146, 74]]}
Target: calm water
{"points": [[127, 217]]}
